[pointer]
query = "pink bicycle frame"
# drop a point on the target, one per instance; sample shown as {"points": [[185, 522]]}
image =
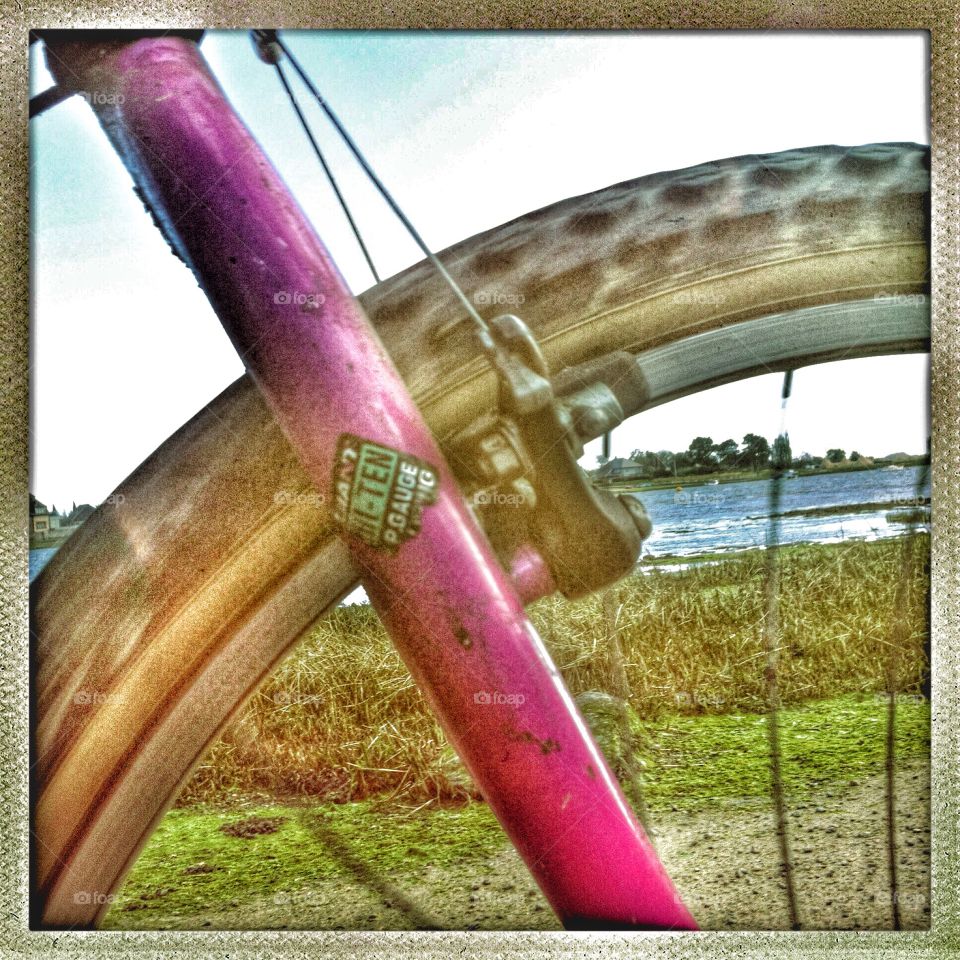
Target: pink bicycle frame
{"points": [[453, 613]]}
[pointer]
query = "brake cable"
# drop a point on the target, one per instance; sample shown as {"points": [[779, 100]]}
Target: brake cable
{"points": [[271, 41], [43, 101], [269, 52]]}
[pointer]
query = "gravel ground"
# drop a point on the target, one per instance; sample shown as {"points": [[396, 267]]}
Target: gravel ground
{"points": [[724, 861]]}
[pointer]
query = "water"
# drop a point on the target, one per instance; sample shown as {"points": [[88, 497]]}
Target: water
{"points": [[39, 559], [735, 516]]}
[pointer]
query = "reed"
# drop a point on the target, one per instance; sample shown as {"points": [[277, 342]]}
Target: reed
{"points": [[340, 719]]}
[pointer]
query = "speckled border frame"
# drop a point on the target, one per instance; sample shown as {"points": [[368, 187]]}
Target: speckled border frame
{"points": [[940, 17]]}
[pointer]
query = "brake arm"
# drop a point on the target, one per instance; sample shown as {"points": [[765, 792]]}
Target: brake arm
{"points": [[587, 536]]}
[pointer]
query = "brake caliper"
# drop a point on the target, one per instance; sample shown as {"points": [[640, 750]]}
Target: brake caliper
{"points": [[520, 464]]}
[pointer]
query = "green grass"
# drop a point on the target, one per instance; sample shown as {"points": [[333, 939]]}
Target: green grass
{"points": [[54, 539], [191, 867], [342, 720], [695, 761], [686, 480], [916, 515]]}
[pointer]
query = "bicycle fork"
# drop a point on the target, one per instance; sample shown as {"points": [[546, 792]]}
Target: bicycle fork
{"points": [[452, 611]]}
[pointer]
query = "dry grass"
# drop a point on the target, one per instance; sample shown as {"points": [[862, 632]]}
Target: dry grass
{"points": [[341, 718]]}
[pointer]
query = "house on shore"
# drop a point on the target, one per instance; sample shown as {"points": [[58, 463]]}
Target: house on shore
{"points": [[42, 521], [619, 469]]}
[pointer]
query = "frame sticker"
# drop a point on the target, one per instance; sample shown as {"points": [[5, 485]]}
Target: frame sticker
{"points": [[379, 493]]}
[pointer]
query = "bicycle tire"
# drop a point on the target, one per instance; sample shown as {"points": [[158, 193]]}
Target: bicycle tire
{"points": [[160, 616]]}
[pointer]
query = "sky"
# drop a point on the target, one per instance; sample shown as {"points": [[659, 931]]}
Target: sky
{"points": [[469, 130]]}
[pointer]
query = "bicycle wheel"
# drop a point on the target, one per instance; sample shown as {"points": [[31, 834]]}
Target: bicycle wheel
{"points": [[161, 615]]}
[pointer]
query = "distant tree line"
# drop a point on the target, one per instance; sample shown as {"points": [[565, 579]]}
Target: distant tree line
{"points": [[752, 453]]}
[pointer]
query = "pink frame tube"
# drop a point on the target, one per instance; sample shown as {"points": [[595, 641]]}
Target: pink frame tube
{"points": [[452, 612]]}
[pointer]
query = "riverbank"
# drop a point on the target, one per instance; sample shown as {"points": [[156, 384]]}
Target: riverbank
{"points": [[693, 480], [256, 862], [53, 540]]}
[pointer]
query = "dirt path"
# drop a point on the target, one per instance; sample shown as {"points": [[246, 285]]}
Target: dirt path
{"points": [[724, 863]]}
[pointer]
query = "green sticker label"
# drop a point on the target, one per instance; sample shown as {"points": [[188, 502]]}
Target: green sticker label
{"points": [[380, 493]]}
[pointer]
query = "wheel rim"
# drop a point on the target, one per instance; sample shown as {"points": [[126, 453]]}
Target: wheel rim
{"points": [[785, 341]]}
